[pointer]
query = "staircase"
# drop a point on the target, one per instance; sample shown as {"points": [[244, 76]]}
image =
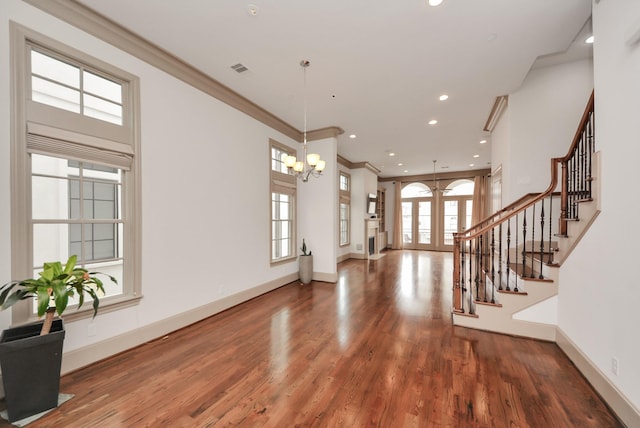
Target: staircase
{"points": [[507, 267]]}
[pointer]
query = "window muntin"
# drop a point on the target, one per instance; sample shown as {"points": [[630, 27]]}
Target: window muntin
{"points": [[283, 187], [416, 190], [345, 184], [69, 86], [277, 162], [344, 224], [460, 188], [344, 215], [65, 132], [76, 209], [281, 226]]}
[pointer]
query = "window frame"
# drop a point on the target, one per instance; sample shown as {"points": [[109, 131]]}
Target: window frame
{"points": [[69, 135], [344, 199], [285, 184]]}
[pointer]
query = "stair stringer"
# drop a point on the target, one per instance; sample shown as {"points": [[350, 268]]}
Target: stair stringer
{"points": [[500, 318], [589, 211]]}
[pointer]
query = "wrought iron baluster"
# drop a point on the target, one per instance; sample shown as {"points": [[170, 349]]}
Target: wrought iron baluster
{"points": [[550, 259], [463, 248], [524, 234], [478, 266], [500, 257], [471, 311], [484, 271], [493, 265], [508, 253], [541, 237], [523, 253], [533, 237]]}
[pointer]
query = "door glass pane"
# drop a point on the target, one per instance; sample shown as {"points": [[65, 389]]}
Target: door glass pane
{"points": [[469, 208], [406, 222], [424, 222], [450, 221]]}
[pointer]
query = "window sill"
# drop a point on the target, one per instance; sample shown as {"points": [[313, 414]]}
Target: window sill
{"points": [[106, 305], [283, 261]]}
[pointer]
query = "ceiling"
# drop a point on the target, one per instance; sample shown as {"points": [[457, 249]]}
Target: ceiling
{"points": [[377, 67]]}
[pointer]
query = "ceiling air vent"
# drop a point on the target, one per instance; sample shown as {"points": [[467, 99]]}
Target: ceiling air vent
{"points": [[239, 68]]}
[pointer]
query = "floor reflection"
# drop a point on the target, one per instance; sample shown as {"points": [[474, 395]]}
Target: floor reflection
{"points": [[280, 341], [343, 313]]}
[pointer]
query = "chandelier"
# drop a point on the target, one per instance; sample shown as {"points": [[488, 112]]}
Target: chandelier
{"points": [[311, 164]]}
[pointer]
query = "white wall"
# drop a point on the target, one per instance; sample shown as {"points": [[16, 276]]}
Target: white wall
{"points": [[363, 182], [317, 212], [501, 152], [599, 294], [203, 222], [542, 116], [389, 209]]}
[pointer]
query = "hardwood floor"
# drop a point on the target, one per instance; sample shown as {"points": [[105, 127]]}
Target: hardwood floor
{"points": [[376, 349]]}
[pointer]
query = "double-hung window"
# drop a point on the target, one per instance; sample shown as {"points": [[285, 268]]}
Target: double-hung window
{"points": [[75, 167], [345, 208], [283, 204]]}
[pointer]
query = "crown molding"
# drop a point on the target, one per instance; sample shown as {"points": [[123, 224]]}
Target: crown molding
{"points": [[322, 133], [499, 105], [88, 20], [453, 175]]}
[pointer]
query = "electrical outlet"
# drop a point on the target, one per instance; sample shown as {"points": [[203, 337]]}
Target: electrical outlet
{"points": [[614, 366], [358, 247]]}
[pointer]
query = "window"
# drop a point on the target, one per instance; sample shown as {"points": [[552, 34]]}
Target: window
{"points": [[283, 194], [75, 158], [345, 208], [60, 83]]}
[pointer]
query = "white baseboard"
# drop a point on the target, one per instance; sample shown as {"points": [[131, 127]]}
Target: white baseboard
{"points": [[325, 277], [621, 406], [82, 357]]}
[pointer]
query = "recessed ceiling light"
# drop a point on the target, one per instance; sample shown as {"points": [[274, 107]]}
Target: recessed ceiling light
{"points": [[433, 122], [434, 2], [483, 141], [252, 9], [352, 136], [471, 164], [400, 164], [391, 154], [406, 170], [476, 156], [444, 97], [589, 40]]}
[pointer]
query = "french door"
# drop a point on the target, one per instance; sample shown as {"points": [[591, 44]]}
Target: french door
{"points": [[417, 224], [456, 216], [427, 225]]}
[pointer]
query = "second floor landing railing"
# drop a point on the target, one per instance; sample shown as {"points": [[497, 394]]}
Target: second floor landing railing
{"points": [[514, 243]]}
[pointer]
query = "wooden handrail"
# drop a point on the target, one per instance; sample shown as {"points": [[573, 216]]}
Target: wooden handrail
{"points": [[554, 182], [575, 178], [583, 123]]}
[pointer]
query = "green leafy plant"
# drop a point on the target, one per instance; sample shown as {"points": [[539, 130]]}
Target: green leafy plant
{"points": [[304, 249], [53, 288]]}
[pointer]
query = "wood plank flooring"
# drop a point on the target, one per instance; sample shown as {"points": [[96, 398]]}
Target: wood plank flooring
{"points": [[377, 349]]}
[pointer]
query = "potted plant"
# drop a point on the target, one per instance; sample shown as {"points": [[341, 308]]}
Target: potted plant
{"points": [[31, 355], [305, 271]]}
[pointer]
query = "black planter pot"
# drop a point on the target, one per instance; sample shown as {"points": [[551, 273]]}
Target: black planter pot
{"points": [[31, 368]]}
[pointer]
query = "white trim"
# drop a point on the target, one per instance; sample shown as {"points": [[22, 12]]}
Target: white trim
{"points": [[615, 399]]}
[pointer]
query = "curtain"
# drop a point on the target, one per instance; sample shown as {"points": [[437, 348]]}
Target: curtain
{"points": [[480, 209], [397, 218]]}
